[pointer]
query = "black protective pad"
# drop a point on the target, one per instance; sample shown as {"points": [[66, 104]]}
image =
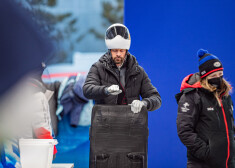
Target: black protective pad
{"points": [[118, 137]]}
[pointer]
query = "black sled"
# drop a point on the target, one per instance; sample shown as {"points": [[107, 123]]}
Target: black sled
{"points": [[118, 137]]}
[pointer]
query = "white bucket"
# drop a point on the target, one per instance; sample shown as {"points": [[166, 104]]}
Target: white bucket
{"points": [[36, 153]]}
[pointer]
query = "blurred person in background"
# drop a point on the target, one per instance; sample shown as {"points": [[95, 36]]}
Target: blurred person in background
{"points": [[117, 78], [205, 122], [25, 114], [41, 116], [22, 47]]}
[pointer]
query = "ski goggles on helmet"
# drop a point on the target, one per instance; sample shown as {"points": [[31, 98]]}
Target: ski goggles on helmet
{"points": [[117, 30]]}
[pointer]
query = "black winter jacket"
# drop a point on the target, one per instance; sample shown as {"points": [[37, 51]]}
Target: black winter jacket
{"points": [[205, 128], [137, 83]]}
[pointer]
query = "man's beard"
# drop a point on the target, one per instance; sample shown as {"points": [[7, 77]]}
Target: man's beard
{"points": [[118, 60]]}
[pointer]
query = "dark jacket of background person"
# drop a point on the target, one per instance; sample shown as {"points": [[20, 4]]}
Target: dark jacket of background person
{"points": [[201, 126], [102, 74]]}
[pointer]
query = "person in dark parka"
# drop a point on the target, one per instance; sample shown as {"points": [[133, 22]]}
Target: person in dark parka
{"points": [[117, 78], [205, 122]]}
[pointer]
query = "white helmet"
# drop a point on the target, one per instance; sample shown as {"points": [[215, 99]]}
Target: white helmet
{"points": [[117, 36]]}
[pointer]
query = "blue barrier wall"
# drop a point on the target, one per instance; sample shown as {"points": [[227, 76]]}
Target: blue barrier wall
{"points": [[166, 35]]}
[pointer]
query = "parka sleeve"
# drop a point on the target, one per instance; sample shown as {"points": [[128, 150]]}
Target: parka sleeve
{"points": [[150, 94], [187, 117], [92, 89], [41, 114]]}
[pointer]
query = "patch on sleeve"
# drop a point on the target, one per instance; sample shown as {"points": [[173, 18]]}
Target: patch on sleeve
{"points": [[185, 107]]}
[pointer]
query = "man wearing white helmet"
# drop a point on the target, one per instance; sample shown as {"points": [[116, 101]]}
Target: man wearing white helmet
{"points": [[117, 78]]}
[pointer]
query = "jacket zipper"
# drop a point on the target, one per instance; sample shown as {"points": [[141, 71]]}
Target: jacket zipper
{"points": [[117, 77], [226, 126]]}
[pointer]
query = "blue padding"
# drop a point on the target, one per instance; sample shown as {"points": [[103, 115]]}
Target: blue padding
{"points": [[16, 150]]}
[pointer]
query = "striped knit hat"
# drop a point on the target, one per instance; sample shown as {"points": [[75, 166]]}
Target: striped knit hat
{"points": [[208, 63]]}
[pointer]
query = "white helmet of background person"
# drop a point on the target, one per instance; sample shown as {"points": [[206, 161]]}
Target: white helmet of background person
{"points": [[117, 36]]}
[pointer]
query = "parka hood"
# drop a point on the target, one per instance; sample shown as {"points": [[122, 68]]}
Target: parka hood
{"points": [[191, 81]]}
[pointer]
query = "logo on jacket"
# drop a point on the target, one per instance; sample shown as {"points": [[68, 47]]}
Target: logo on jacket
{"points": [[210, 109], [185, 108]]}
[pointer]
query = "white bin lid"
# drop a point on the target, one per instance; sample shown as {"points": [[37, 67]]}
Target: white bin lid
{"points": [[38, 141]]}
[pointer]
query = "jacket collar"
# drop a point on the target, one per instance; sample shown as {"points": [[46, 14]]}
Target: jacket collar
{"points": [[130, 63]]}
